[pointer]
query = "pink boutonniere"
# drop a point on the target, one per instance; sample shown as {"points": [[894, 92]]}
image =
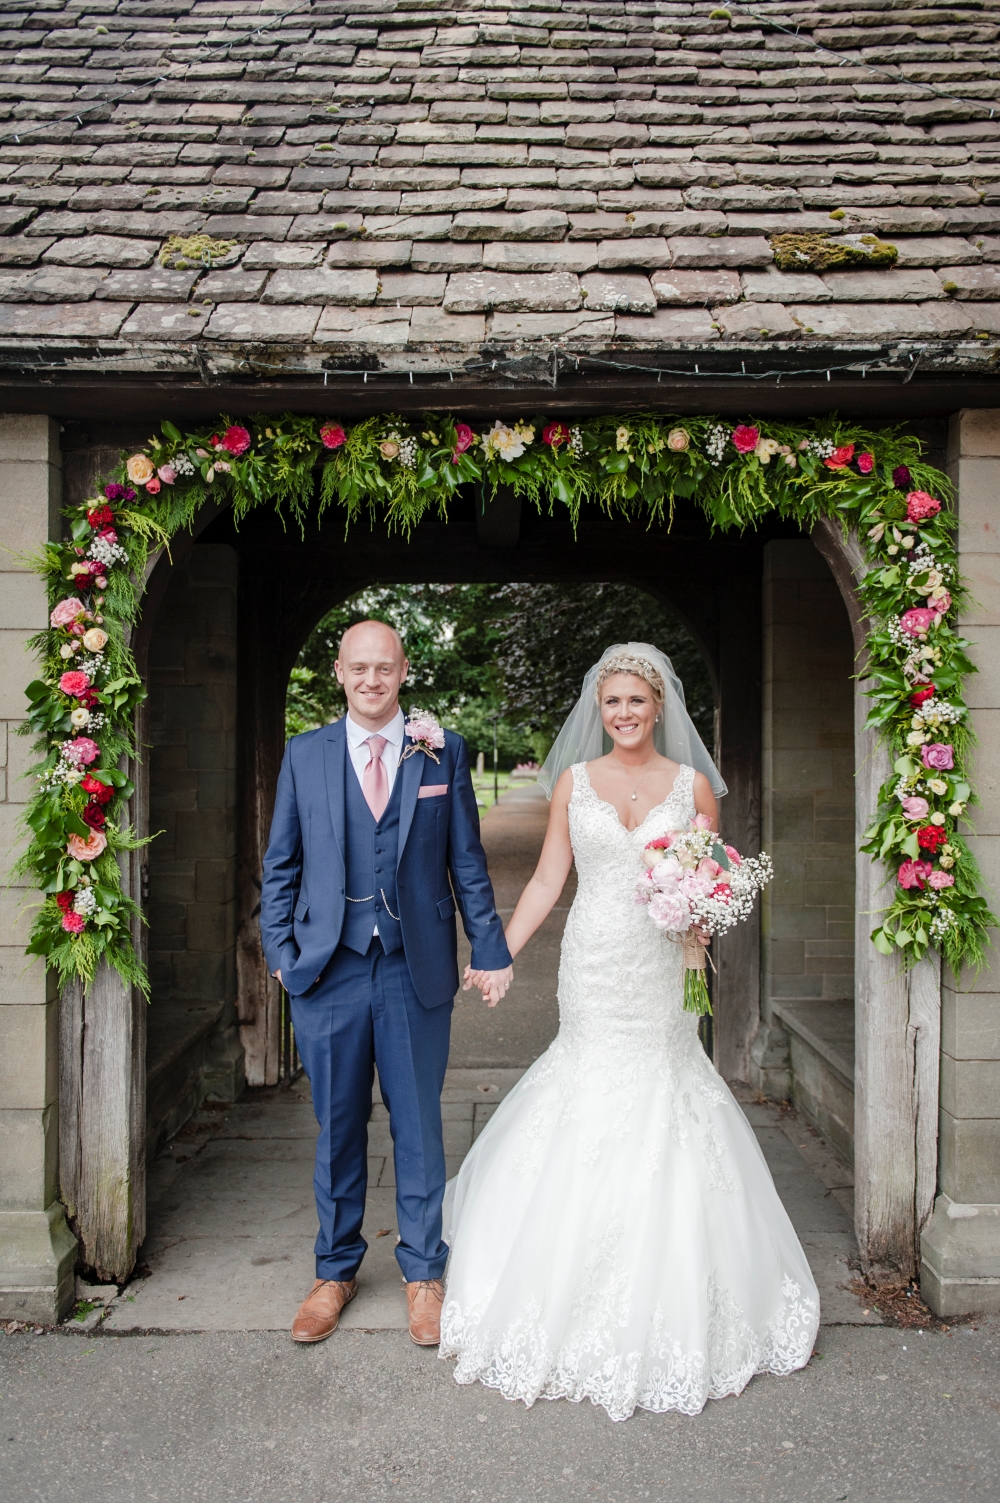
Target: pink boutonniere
{"points": [[425, 735]]}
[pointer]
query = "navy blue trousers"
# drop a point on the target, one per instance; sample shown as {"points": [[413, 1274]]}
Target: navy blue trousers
{"points": [[364, 1012]]}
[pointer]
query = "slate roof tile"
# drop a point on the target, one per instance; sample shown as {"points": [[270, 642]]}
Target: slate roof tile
{"points": [[462, 157]]}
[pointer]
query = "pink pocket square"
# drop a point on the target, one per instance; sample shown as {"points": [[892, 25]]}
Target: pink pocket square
{"points": [[432, 790]]}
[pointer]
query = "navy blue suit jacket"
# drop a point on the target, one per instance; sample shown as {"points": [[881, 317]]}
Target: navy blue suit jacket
{"points": [[303, 897]]}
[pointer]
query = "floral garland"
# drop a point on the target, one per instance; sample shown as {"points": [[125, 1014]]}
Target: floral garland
{"points": [[82, 707]]}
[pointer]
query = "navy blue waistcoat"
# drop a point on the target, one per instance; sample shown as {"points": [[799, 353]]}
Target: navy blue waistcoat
{"points": [[370, 860]]}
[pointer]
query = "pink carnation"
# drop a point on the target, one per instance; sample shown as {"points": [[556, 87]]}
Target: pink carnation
{"points": [[920, 506], [722, 891], [236, 440], [81, 751], [918, 621], [66, 612], [332, 436], [745, 438], [74, 682], [89, 849], [937, 880], [74, 923], [865, 463], [938, 755], [915, 808], [914, 874]]}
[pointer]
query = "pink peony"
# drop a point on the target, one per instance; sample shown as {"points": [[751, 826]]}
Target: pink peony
{"points": [[74, 923], [745, 438], [332, 436], [937, 880], [914, 874], [167, 474], [425, 730], [918, 621], [89, 849], [938, 755], [81, 751], [66, 612], [920, 506], [865, 463], [915, 808], [668, 911], [74, 682], [236, 440], [734, 855]]}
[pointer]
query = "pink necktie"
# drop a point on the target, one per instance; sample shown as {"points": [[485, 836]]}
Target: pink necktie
{"points": [[375, 782]]}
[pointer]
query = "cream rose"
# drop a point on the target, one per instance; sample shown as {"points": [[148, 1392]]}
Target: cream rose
{"points": [[678, 439], [95, 640], [79, 718], [139, 469], [388, 448]]}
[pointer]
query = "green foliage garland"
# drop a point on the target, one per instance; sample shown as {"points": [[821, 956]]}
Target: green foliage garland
{"points": [[82, 707]]}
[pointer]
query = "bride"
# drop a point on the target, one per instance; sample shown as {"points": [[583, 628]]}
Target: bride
{"points": [[615, 1232]]}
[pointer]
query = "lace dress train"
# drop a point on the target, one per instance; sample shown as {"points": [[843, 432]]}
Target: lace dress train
{"points": [[615, 1232]]}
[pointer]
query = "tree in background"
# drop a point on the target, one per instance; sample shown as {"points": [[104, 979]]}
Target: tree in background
{"points": [[516, 651]]}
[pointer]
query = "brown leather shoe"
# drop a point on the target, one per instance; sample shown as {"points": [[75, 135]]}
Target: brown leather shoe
{"points": [[425, 1298], [319, 1312]]}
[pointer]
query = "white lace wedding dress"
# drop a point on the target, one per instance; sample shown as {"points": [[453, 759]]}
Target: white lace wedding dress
{"points": [[615, 1232]]}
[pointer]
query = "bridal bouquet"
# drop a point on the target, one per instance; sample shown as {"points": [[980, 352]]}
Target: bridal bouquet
{"points": [[693, 881]]}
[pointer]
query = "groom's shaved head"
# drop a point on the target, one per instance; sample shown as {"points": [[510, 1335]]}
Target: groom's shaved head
{"points": [[371, 637]]}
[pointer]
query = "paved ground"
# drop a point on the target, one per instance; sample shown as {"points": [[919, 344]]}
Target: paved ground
{"points": [[187, 1387]]}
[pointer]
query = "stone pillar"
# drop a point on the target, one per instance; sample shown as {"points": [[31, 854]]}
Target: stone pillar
{"points": [[37, 1249], [193, 1046], [960, 1249], [804, 1047]]}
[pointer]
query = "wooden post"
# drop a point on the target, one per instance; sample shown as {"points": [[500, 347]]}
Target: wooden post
{"points": [[897, 1012], [738, 953]]}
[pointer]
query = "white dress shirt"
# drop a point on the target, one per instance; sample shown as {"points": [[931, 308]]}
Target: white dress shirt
{"points": [[360, 752]]}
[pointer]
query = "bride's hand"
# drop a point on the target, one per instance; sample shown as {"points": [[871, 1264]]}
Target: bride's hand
{"points": [[703, 937]]}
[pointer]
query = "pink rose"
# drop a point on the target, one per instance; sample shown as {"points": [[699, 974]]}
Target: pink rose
{"points": [[938, 755], [745, 438], [708, 868], [734, 855], [89, 849], [81, 751], [236, 439], [918, 621], [937, 880], [915, 808], [153, 486], [941, 602], [74, 682], [74, 923], [167, 474], [464, 439], [920, 506], [701, 822], [66, 612], [914, 874], [108, 535], [332, 436]]}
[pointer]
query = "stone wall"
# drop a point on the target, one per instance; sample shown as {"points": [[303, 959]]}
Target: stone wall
{"points": [[805, 1045], [193, 1048], [961, 1246], [37, 1250]]}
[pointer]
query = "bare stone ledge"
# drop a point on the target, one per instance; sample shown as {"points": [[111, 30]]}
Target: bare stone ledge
{"points": [[473, 292], [166, 321], [651, 252], [349, 289], [704, 288], [972, 283], [668, 325], [538, 225], [434, 326], [102, 250], [566, 327], [706, 252], [624, 293], [268, 255], [259, 321], [769, 285], [351, 253], [411, 289], [363, 326], [540, 255], [877, 321], [757, 321], [69, 320], [935, 250], [916, 285]]}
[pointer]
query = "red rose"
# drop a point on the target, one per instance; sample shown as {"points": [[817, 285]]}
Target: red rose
{"points": [[745, 438], [840, 458], [920, 506], [865, 463], [555, 434], [65, 901], [101, 516], [920, 696], [236, 439], [332, 436], [102, 792], [931, 838], [94, 815]]}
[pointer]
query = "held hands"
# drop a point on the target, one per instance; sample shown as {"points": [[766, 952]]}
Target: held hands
{"points": [[492, 984]]}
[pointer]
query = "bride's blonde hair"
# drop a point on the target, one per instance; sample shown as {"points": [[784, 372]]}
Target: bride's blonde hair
{"points": [[641, 667]]}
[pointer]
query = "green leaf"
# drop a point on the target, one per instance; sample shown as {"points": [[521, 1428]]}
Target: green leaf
{"points": [[911, 846]]}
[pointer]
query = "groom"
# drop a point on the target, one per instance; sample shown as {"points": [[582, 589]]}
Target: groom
{"points": [[358, 925]]}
